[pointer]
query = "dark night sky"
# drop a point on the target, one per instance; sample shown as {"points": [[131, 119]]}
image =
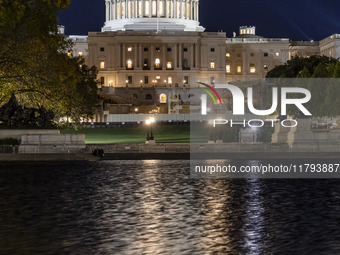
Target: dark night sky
{"points": [[297, 20]]}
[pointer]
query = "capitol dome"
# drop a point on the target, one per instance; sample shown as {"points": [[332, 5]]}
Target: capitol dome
{"points": [[152, 15]]}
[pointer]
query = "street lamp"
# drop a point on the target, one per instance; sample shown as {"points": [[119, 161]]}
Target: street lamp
{"points": [[126, 83], [141, 83], [150, 121]]}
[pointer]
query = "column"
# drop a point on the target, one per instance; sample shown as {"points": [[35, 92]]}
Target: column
{"points": [[118, 51], [107, 5], [172, 4], [152, 57], [163, 56], [176, 50], [197, 7], [120, 9], [166, 9], [114, 10], [140, 56], [126, 9], [192, 56], [123, 56], [136, 9], [181, 9], [142, 7], [180, 60], [150, 8], [135, 62], [191, 10], [197, 55]]}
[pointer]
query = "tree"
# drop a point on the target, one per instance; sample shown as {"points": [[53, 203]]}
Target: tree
{"points": [[34, 64]]}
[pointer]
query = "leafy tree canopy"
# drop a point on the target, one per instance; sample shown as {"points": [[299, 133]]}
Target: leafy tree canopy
{"points": [[34, 64]]}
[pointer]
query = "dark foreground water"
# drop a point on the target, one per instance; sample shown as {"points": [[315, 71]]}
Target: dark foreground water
{"points": [[153, 207]]}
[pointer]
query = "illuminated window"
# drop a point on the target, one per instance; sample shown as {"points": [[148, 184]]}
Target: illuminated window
{"points": [[277, 54], [178, 9], [169, 9], [129, 64], [154, 8], [123, 9], [80, 53], [146, 8], [212, 65], [169, 79], [252, 68], [129, 49], [158, 77], [162, 98], [158, 49], [169, 65], [183, 9], [139, 8], [69, 54], [157, 62], [227, 55], [161, 8], [188, 10], [102, 64], [227, 68], [265, 68], [239, 69], [132, 9]]}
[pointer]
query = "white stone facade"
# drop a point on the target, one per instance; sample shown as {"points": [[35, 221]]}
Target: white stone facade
{"points": [[142, 15]]}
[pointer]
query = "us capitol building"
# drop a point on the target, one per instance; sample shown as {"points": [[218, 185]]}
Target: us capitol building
{"points": [[147, 46]]}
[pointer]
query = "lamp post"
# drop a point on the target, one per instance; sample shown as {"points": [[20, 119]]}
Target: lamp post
{"points": [[149, 136], [126, 83], [141, 83]]}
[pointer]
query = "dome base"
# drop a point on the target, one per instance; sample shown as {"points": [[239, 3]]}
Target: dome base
{"points": [[150, 24]]}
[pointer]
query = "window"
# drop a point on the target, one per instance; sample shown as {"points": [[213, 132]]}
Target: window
{"points": [[130, 79], [162, 98], [212, 65], [146, 79], [238, 55], [146, 49], [102, 64], [157, 63], [135, 96], [227, 68], [169, 49], [80, 54], [227, 55], [169, 79], [265, 54], [146, 62], [212, 49], [169, 65], [265, 68], [185, 49], [277, 54], [102, 80], [252, 54], [148, 97], [158, 49], [158, 77], [69, 54], [129, 64], [212, 80], [129, 49], [139, 8], [161, 8], [252, 68], [185, 63], [239, 69], [102, 49], [186, 80]]}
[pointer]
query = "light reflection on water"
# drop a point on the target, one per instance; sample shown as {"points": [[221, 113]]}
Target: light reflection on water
{"points": [[153, 207]]}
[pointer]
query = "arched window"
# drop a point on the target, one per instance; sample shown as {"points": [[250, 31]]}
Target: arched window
{"points": [[148, 97], [162, 98]]}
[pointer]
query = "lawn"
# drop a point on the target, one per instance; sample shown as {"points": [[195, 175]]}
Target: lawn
{"points": [[162, 134]]}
